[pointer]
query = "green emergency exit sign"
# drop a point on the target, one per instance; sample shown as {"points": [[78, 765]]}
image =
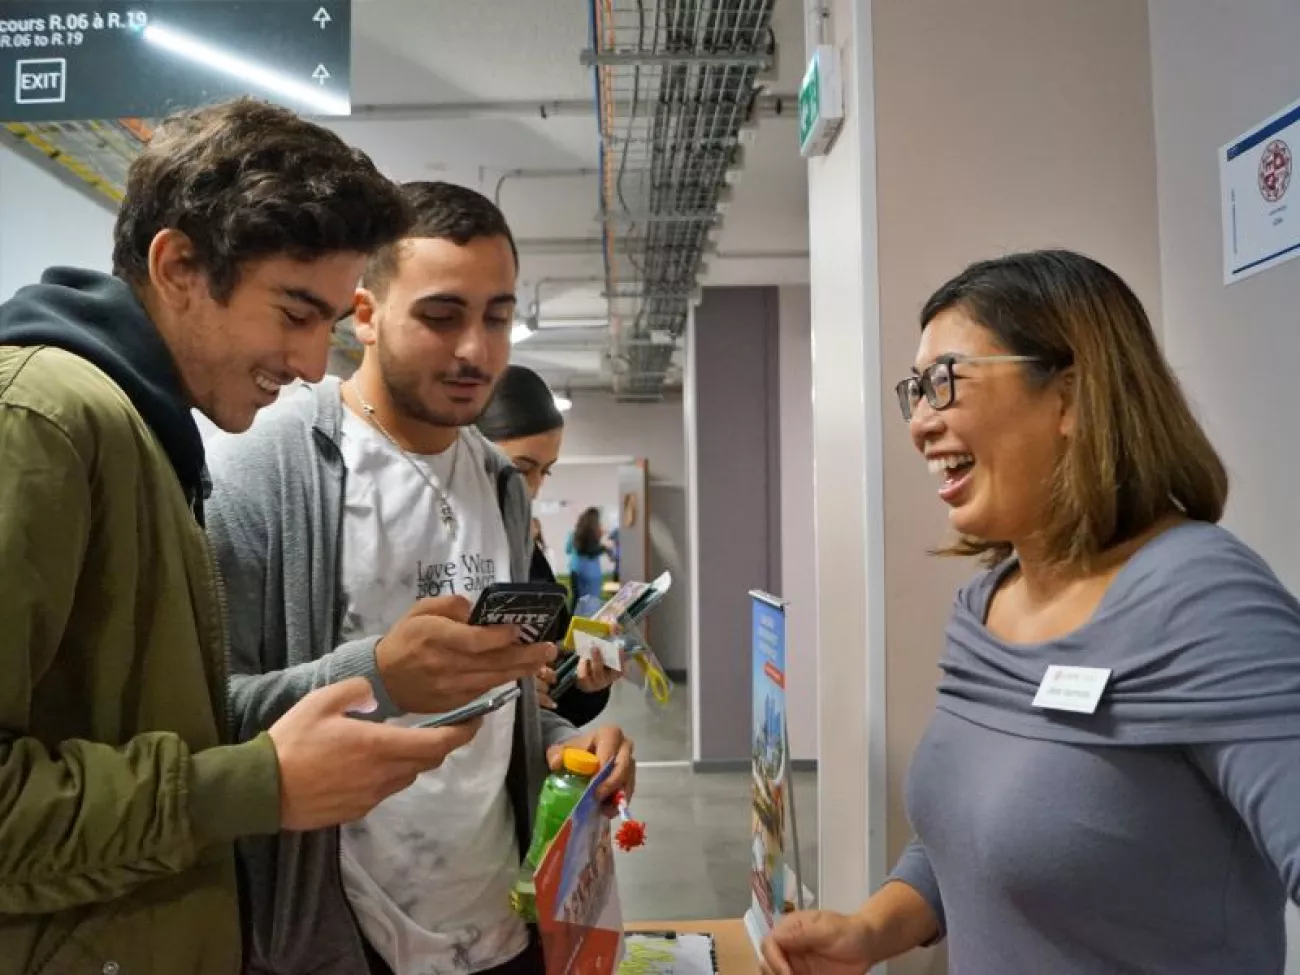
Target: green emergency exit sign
{"points": [[821, 102]]}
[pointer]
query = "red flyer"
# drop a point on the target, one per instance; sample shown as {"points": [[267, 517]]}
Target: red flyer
{"points": [[578, 911]]}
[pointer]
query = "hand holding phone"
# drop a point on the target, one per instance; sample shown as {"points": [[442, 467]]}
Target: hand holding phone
{"points": [[531, 607], [434, 661], [335, 769]]}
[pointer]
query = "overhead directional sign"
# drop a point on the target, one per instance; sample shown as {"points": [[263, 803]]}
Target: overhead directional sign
{"points": [[144, 59]]}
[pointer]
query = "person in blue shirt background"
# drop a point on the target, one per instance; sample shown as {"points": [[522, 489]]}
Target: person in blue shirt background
{"points": [[586, 548]]}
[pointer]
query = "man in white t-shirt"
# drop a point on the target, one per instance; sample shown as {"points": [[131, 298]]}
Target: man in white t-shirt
{"points": [[366, 516]]}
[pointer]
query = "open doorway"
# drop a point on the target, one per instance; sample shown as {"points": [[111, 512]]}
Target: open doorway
{"points": [[640, 545]]}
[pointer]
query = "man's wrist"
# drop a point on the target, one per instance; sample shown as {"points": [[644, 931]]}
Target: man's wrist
{"points": [[361, 658]]}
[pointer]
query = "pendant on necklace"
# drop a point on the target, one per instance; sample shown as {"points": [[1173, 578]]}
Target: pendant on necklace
{"points": [[448, 517]]}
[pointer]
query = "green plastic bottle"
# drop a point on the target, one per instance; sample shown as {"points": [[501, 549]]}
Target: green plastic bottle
{"points": [[560, 794]]}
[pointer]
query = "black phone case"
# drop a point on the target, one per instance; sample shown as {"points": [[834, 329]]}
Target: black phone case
{"points": [[532, 606]]}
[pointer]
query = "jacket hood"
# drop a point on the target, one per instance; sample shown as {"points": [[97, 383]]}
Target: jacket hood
{"points": [[99, 318]]}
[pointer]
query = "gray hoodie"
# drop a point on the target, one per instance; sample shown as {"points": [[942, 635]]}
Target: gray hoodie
{"points": [[275, 517]]}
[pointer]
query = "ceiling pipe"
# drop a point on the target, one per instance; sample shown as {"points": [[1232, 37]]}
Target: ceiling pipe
{"points": [[595, 246], [585, 171], [765, 106], [533, 315], [666, 59], [560, 245]]}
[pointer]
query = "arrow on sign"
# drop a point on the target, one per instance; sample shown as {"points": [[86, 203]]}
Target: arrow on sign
{"points": [[322, 17], [320, 74]]}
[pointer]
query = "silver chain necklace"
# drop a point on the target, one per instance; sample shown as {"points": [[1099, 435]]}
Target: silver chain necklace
{"points": [[445, 510]]}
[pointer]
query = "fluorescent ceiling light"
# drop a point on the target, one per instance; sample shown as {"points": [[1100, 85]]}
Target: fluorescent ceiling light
{"points": [[219, 60], [562, 403], [520, 333]]}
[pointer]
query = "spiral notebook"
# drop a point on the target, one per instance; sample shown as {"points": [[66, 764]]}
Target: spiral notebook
{"points": [[667, 953]]}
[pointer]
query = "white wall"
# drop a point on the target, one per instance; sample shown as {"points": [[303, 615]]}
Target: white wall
{"points": [[798, 544], [1217, 70], [598, 426], [577, 486], [44, 222], [847, 482]]}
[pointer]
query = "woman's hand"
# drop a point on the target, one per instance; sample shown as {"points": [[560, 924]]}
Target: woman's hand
{"points": [[820, 943], [593, 676], [545, 680]]}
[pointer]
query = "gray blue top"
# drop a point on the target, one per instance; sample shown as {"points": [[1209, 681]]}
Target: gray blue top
{"points": [[1159, 835]]}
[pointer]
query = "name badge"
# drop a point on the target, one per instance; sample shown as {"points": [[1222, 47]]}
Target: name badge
{"points": [[1077, 689]]}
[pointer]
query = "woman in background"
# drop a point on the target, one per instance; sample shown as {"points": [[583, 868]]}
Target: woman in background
{"points": [[525, 424], [587, 550], [1138, 808]]}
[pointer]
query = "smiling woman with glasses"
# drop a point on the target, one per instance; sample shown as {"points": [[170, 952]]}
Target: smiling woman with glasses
{"points": [[1111, 778]]}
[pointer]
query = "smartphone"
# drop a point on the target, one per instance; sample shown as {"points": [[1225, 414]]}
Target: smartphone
{"points": [[532, 606], [492, 701]]}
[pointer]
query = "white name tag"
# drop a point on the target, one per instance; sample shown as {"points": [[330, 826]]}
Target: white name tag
{"points": [[1076, 689]]}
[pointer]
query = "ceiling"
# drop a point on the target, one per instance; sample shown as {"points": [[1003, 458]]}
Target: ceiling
{"points": [[527, 52], [467, 91]]}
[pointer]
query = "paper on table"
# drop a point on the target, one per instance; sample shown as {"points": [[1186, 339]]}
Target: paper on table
{"points": [[589, 645], [656, 954]]}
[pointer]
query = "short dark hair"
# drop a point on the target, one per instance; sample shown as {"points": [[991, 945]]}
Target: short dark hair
{"points": [[246, 180], [440, 211], [522, 405], [1138, 454]]}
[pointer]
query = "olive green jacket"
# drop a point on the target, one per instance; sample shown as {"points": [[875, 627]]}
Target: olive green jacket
{"points": [[118, 802]]}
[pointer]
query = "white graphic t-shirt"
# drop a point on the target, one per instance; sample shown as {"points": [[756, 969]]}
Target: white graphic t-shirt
{"points": [[429, 871]]}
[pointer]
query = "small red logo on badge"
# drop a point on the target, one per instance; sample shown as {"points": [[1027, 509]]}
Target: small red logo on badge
{"points": [[1275, 171]]}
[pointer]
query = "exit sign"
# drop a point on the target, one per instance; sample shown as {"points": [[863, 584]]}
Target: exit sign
{"points": [[95, 59], [821, 102]]}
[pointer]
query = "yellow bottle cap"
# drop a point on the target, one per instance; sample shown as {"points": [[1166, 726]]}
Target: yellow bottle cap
{"points": [[580, 762]]}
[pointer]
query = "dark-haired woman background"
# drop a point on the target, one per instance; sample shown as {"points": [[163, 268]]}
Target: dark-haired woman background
{"points": [[524, 422], [587, 551]]}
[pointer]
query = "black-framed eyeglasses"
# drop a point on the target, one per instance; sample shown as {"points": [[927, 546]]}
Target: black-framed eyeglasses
{"points": [[938, 381]]}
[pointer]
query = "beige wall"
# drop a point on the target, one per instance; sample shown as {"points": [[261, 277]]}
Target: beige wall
{"points": [[998, 125], [1219, 69], [1001, 125]]}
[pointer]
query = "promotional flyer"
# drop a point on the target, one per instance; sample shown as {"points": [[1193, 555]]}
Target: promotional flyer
{"points": [[578, 910], [770, 757]]}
